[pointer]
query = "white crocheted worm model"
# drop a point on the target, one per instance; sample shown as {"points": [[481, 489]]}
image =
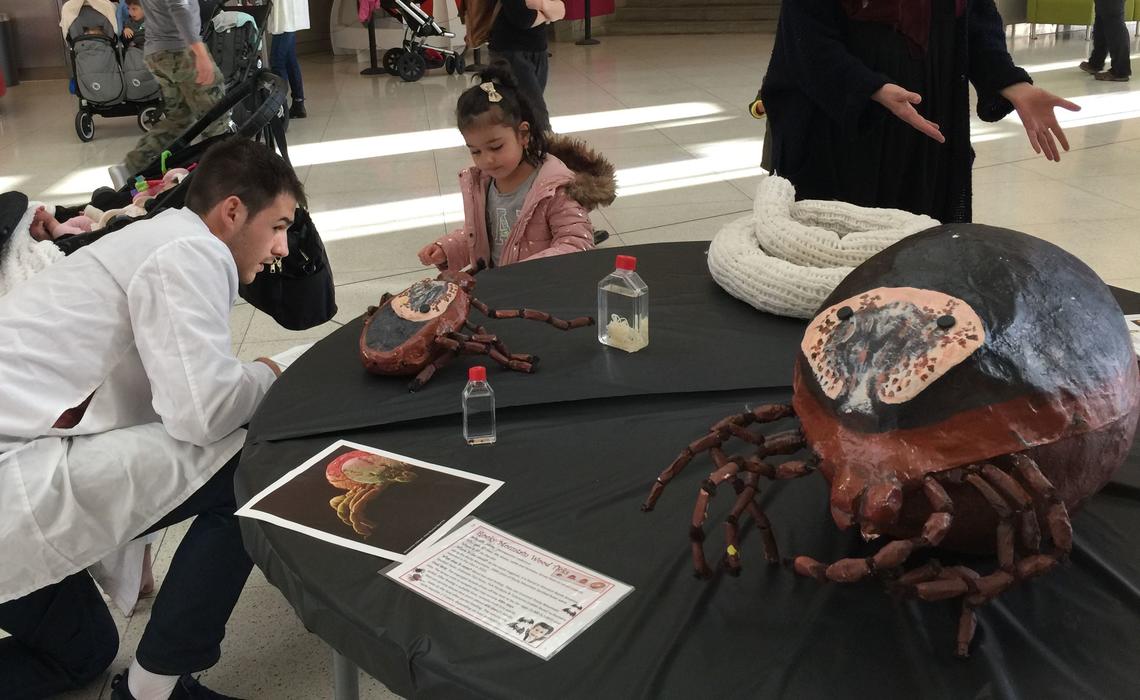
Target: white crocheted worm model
{"points": [[24, 256], [788, 256]]}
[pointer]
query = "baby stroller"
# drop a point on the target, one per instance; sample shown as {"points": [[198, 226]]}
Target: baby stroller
{"points": [[263, 89], [234, 34], [414, 56], [111, 80]]}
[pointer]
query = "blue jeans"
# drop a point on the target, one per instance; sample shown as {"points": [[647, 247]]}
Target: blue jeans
{"points": [[283, 61]]}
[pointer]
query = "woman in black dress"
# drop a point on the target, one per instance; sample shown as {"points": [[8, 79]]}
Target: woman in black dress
{"points": [[841, 68]]}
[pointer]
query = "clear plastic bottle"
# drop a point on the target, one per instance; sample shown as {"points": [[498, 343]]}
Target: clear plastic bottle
{"points": [[623, 307], [478, 408]]}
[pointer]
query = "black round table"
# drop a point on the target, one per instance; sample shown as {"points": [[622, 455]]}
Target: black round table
{"points": [[580, 443]]}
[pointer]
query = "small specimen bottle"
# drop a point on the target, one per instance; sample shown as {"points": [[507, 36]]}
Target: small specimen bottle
{"points": [[623, 307], [478, 408]]}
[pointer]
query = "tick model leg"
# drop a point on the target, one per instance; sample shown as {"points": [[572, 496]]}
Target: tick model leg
{"points": [[532, 315]]}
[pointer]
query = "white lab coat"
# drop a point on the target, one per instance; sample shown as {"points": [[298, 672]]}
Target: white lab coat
{"points": [[139, 321], [289, 16]]}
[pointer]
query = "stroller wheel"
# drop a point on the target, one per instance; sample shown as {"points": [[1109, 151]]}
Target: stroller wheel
{"points": [[391, 59], [460, 65], [449, 65], [84, 126], [412, 67], [149, 117]]}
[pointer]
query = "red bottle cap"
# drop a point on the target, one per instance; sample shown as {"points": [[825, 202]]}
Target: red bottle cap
{"points": [[477, 374], [626, 262]]}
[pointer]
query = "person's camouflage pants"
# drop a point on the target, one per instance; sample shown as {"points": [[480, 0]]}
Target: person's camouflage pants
{"points": [[184, 102]]}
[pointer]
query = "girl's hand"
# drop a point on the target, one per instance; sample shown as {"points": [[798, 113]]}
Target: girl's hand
{"points": [[432, 254], [1035, 107], [901, 102]]}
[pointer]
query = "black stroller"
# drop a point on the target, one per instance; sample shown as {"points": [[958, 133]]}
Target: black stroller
{"points": [[235, 35], [414, 57], [266, 93], [234, 32], [111, 80]]}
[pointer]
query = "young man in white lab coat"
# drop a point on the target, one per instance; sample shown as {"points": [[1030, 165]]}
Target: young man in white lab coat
{"points": [[121, 412]]}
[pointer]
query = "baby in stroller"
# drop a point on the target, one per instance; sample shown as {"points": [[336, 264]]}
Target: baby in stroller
{"points": [[110, 79]]}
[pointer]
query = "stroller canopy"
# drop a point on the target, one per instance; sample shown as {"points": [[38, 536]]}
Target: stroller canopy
{"points": [[77, 15]]}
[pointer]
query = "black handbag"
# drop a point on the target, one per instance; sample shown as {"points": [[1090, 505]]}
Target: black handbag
{"points": [[298, 292]]}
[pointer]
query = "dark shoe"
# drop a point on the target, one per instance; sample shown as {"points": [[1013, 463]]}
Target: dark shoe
{"points": [[1111, 77], [188, 688], [1089, 68], [119, 689], [297, 111], [600, 236]]}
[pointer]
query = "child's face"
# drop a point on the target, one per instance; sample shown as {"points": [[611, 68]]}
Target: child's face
{"points": [[135, 11], [497, 149]]}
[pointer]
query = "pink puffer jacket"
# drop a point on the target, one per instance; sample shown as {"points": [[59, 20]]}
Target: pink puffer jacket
{"points": [[554, 218]]}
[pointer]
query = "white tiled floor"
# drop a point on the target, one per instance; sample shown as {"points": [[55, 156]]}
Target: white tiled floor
{"points": [[379, 157]]}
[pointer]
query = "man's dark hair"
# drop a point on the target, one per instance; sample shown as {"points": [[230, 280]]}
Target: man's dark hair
{"points": [[245, 169]]}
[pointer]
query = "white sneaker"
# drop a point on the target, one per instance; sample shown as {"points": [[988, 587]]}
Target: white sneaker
{"points": [[119, 175]]}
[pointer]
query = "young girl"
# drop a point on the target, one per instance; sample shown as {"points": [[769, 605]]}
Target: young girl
{"points": [[520, 201]]}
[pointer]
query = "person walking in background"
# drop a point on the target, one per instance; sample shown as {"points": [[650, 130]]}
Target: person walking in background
{"points": [[190, 81], [1109, 39], [288, 18], [518, 36]]}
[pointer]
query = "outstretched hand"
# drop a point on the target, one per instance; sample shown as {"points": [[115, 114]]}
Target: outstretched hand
{"points": [[901, 102], [1036, 109]]}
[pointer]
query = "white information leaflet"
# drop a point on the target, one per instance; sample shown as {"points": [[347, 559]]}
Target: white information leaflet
{"points": [[520, 592]]}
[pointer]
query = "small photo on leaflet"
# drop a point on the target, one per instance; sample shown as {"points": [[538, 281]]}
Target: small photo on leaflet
{"points": [[370, 500]]}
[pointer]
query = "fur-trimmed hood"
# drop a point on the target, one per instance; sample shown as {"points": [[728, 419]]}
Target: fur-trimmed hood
{"points": [[594, 184]]}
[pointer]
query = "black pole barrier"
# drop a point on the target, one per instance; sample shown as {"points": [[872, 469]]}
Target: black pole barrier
{"points": [[373, 68], [587, 40]]}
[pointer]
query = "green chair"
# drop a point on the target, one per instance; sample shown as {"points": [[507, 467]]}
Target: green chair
{"points": [[1058, 12]]}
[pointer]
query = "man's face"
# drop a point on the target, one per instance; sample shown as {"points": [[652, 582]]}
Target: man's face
{"points": [[256, 241]]}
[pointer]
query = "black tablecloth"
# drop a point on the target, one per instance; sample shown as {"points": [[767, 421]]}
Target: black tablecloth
{"points": [[579, 445]]}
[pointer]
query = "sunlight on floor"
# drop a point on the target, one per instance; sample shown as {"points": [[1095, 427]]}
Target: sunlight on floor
{"points": [[720, 162], [342, 150], [1059, 65], [9, 182], [80, 183]]}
